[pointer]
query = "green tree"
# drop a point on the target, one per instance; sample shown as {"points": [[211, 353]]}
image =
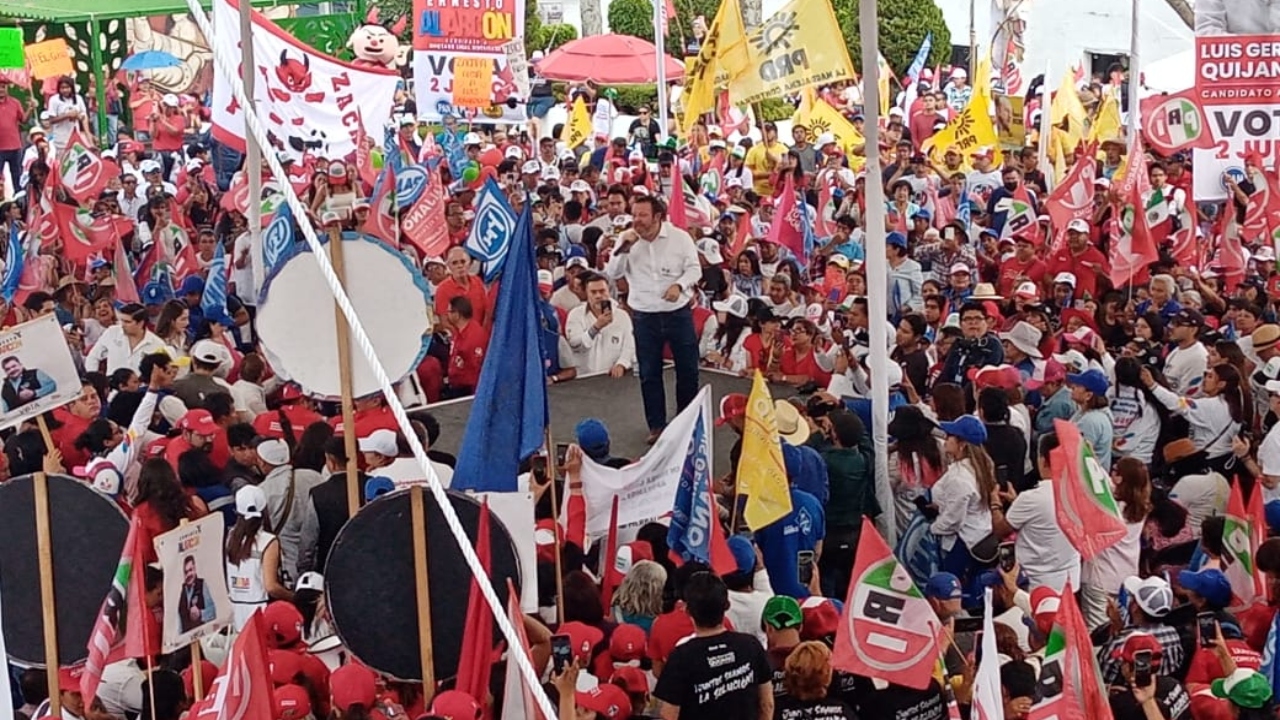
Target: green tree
{"points": [[632, 17], [635, 18], [389, 11], [903, 26], [550, 37]]}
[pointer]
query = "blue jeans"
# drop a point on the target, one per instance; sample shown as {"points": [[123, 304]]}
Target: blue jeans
{"points": [[653, 331]]}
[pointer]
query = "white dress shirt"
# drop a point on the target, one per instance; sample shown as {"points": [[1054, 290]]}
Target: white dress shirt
{"points": [[597, 351], [114, 348], [651, 267]]}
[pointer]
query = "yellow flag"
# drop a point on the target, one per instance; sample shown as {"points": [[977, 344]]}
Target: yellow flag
{"points": [[798, 46], [1107, 124], [579, 130], [1068, 113], [971, 128], [723, 54], [820, 118], [762, 474], [884, 74]]}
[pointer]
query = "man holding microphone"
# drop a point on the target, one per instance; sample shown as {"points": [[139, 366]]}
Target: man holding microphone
{"points": [[660, 264]]}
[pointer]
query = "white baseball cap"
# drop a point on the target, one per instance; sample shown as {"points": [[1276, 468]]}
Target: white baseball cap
{"points": [[471, 139], [710, 249], [251, 502], [1078, 225], [579, 186], [735, 305], [1065, 277], [531, 167], [381, 442]]}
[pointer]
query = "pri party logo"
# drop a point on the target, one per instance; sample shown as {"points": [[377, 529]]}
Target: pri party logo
{"points": [[892, 626]]}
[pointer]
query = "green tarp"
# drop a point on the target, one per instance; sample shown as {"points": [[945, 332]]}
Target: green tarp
{"points": [[82, 10]]}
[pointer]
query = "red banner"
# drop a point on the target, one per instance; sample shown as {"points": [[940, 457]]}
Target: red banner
{"points": [[424, 225]]}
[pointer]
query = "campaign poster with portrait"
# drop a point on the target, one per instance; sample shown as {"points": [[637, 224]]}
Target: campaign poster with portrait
{"points": [[38, 370], [195, 582], [1238, 90]]}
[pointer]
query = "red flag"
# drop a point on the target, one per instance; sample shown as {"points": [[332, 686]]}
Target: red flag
{"points": [[1069, 656], [731, 118], [609, 575], [126, 288], [888, 630], [242, 690], [364, 163], [1073, 198], [85, 235], [1171, 123], [1135, 247], [1229, 256], [382, 222], [822, 226], [1257, 536], [679, 211], [1185, 245], [424, 225], [124, 627], [1086, 510], [185, 264], [477, 636], [740, 237], [515, 686], [785, 230], [82, 170]]}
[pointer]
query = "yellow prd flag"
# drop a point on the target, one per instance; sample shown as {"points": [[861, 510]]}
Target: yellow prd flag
{"points": [[971, 128], [723, 53], [820, 118], [762, 473], [1106, 125], [798, 46], [884, 74], [1066, 112], [579, 130]]}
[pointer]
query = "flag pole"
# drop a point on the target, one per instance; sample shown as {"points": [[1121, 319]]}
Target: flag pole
{"points": [[1135, 71], [877, 270], [344, 376], [253, 153], [426, 651], [555, 513], [660, 56], [44, 548]]}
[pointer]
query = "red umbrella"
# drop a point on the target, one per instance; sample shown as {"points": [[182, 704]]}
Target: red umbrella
{"points": [[608, 60]]}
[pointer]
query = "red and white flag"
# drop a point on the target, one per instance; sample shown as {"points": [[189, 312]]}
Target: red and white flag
{"points": [[787, 229], [1085, 508], [1072, 199], [85, 235], [124, 627], [514, 686], [888, 631], [383, 221], [1135, 246], [423, 224], [243, 690], [476, 659], [82, 168], [1068, 656]]}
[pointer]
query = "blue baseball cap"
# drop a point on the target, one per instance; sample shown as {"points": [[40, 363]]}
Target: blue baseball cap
{"points": [[923, 214], [593, 437], [193, 285], [943, 586], [744, 554], [1210, 584], [1092, 380], [377, 486], [966, 427], [896, 238]]}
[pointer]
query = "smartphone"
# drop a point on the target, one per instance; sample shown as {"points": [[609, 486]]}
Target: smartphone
{"points": [[606, 306], [804, 567], [562, 451], [977, 648], [1007, 557], [561, 652], [1208, 625], [1142, 668]]}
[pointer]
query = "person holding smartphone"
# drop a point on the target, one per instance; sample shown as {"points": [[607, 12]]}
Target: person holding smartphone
{"points": [[600, 335], [1143, 691]]}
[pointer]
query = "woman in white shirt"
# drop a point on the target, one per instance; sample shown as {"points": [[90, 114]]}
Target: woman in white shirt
{"points": [[1137, 420], [729, 351], [961, 497], [1215, 417], [171, 327], [253, 558], [1101, 577]]}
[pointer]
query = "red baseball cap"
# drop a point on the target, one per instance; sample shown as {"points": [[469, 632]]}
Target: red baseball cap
{"points": [[1136, 643], [455, 705], [1044, 607], [582, 638], [627, 643], [999, 376], [285, 666], [608, 701], [631, 679], [292, 702], [733, 405], [283, 623], [199, 422], [353, 683], [820, 619], [290, 392], [69, 678]]}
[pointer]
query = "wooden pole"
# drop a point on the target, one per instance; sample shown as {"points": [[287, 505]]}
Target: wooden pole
{"points": [[151, 683], [344, 376], [44, 548], [49, 446], [555, 513], [418, 517]]}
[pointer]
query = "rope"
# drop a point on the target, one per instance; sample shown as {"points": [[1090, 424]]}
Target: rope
{"points": [[229, 74]]}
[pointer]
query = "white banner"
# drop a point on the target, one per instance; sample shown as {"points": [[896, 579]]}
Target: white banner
{"points": [[515, 510], [195, 583], [647, 487], [310, 102], [433, 89], [38, 371]]}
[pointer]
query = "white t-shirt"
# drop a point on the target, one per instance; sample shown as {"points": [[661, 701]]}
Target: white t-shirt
{"points": [[1044, 552], [405, 472], [602, 119], [1109, 568], [1184, 369], [1203, 496], [1269, 461]]}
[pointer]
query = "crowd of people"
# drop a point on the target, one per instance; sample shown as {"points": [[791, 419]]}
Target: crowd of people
{"points": [[1172, 378]]}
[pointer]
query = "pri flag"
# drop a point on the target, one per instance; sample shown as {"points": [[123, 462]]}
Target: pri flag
{"points": [[1135, 248], [762, 473], [307, 100], [1070, 682], [83, 171], [243, 689], [85, 235], [1020, 218], [1171, 123], [1238, 548], [888, 630], [124, 628], [1072, 199], [695, 532], [1086, 510]]}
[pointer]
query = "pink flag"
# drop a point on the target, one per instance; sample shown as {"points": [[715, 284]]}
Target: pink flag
{"points": [[382, 222], [126, 289], [678, 213], [786, 229], [1085, 508], [1073, 198]]}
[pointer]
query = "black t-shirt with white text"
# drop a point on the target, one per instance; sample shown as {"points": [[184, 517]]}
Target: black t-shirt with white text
{"points": [[1171, 698], [895, 702], [715, 677], [789, 708]]}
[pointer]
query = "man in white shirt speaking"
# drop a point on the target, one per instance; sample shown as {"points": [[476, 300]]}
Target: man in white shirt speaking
{"points": [[600, 335], [660, 263]]}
